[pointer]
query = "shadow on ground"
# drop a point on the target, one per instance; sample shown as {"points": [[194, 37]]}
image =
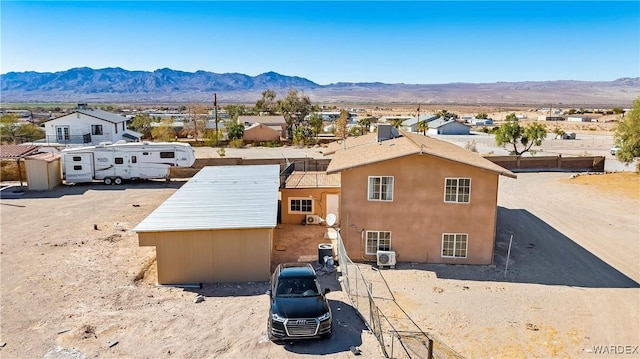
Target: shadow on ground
{"points": [[539, 254], [347, 332]]}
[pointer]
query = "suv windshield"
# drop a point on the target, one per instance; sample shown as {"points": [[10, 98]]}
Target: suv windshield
{"points": [[297, 287]]}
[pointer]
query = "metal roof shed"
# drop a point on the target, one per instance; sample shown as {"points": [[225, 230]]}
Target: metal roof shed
{"points": [[218, 227]]}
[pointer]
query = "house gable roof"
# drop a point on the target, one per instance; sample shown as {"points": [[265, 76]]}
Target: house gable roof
{"points": [[99, 114], [415, 120], [366, 150], [442, 122], [262, 119]]}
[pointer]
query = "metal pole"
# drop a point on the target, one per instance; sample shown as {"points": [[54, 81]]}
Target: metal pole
{"points": [[508, 254]]}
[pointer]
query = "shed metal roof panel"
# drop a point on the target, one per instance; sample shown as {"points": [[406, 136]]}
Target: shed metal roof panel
{"points": [[220, 197]]}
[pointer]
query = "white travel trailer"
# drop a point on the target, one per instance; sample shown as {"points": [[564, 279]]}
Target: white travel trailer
{"points": [[113, 163]]}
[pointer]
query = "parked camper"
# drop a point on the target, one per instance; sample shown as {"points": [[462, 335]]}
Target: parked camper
{"points": [[113, 163]]}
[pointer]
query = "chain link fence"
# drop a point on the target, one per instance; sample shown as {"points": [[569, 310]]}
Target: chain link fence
{"points": [[398, 335]]}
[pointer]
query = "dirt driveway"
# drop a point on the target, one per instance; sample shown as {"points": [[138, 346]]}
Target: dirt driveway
{"points": [[571, 285], [75, 284]]}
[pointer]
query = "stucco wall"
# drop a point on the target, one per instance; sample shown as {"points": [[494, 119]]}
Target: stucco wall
{"points": [[319, 200], [261, 133], [417, 217], [189, 257]]}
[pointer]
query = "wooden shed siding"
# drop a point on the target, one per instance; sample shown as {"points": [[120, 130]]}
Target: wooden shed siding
{"points": [[187, 257]]}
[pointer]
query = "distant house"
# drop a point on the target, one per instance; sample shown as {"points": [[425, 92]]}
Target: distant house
{"points": [[550, 118], [258, 132], [448, 127], [411, 124], [482, 122], [89, 126], [275, 123], [427, 200]]}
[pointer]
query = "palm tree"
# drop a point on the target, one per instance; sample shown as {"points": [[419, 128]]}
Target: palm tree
{"points": [[364, 123], [422, 127], [396, 122]]}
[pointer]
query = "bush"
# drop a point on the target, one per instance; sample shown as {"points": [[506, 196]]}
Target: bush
{"points": [[236, 143]]}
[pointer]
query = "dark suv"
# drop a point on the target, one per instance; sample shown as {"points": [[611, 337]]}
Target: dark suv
{"points": [[299, 309]]}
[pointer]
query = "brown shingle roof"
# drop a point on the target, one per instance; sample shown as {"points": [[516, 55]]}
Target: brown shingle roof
{"points": [[313, 179], [17, 151], [366, 150]]}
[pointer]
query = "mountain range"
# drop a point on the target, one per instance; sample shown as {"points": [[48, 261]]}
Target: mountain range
{"points": [[171, 86]]}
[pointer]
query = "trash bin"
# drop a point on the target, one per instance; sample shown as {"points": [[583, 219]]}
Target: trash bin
{"points": [[324, 250]]}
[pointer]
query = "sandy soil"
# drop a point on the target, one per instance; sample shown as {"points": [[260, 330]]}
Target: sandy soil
{"points": [[70, 290], [74, 282]]}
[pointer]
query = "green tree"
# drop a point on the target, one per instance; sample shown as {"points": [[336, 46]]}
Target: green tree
{"points": [[423, 126], [235, 131], [142, 123], [364, 123], [236, 110], [295, 107], [446, 115], [627, 135], [482, 116], [396, 122], [164, 132], [617, 110], [511, 117], [9, 128], [521, 138], [316, 122], [267, 103]]}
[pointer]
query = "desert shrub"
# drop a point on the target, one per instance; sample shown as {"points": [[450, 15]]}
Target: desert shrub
{"points": [[271, 144], [471, 146], [221, 152], [212, 138], [236, 143]]}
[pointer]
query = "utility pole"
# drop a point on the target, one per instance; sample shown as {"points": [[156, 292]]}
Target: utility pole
{"points": [[418, 123], [215, 110]]}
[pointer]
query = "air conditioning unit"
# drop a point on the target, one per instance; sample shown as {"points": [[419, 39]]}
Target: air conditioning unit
{"points": [[312, 219], [386, 258]]}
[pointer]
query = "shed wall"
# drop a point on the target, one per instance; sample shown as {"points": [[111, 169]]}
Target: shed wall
{"points": [[42, 175], [210, 256]]}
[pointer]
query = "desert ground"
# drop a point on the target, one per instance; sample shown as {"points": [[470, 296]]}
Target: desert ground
{"points": [[71, 290], [74, 283]]}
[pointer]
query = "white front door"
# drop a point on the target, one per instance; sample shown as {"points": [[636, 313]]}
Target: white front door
{"points": [[333, 206], [62, 134]]}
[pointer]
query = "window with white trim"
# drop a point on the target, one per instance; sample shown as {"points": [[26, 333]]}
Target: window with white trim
{"points": [[457, 190], [380, 188], [378, 241], [454, 245], [300, 205]]}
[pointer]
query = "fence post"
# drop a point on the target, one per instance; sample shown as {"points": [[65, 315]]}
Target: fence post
{"points": [[430, 350]]}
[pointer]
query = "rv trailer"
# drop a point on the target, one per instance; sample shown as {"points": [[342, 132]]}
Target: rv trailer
{"points": [[113, 163]]}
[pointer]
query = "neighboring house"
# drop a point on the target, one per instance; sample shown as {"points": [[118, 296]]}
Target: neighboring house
{"points": [[258, 132], [89, 126], [411, 124], [309, 194], [428, 200], [276, 123], [218, 227], [448, 127]]}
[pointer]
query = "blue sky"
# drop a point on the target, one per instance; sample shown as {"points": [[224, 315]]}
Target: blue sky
{"points": [[328, 42]]}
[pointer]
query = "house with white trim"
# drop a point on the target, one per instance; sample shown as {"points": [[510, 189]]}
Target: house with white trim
{"points": [[89, 126]]}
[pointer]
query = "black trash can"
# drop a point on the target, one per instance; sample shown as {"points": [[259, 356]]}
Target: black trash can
{"points": [[324, 250]]}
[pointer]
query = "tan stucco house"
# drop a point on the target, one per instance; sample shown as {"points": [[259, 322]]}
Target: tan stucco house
{"points": [[428, 200], [312, 193], [270, 125]]}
